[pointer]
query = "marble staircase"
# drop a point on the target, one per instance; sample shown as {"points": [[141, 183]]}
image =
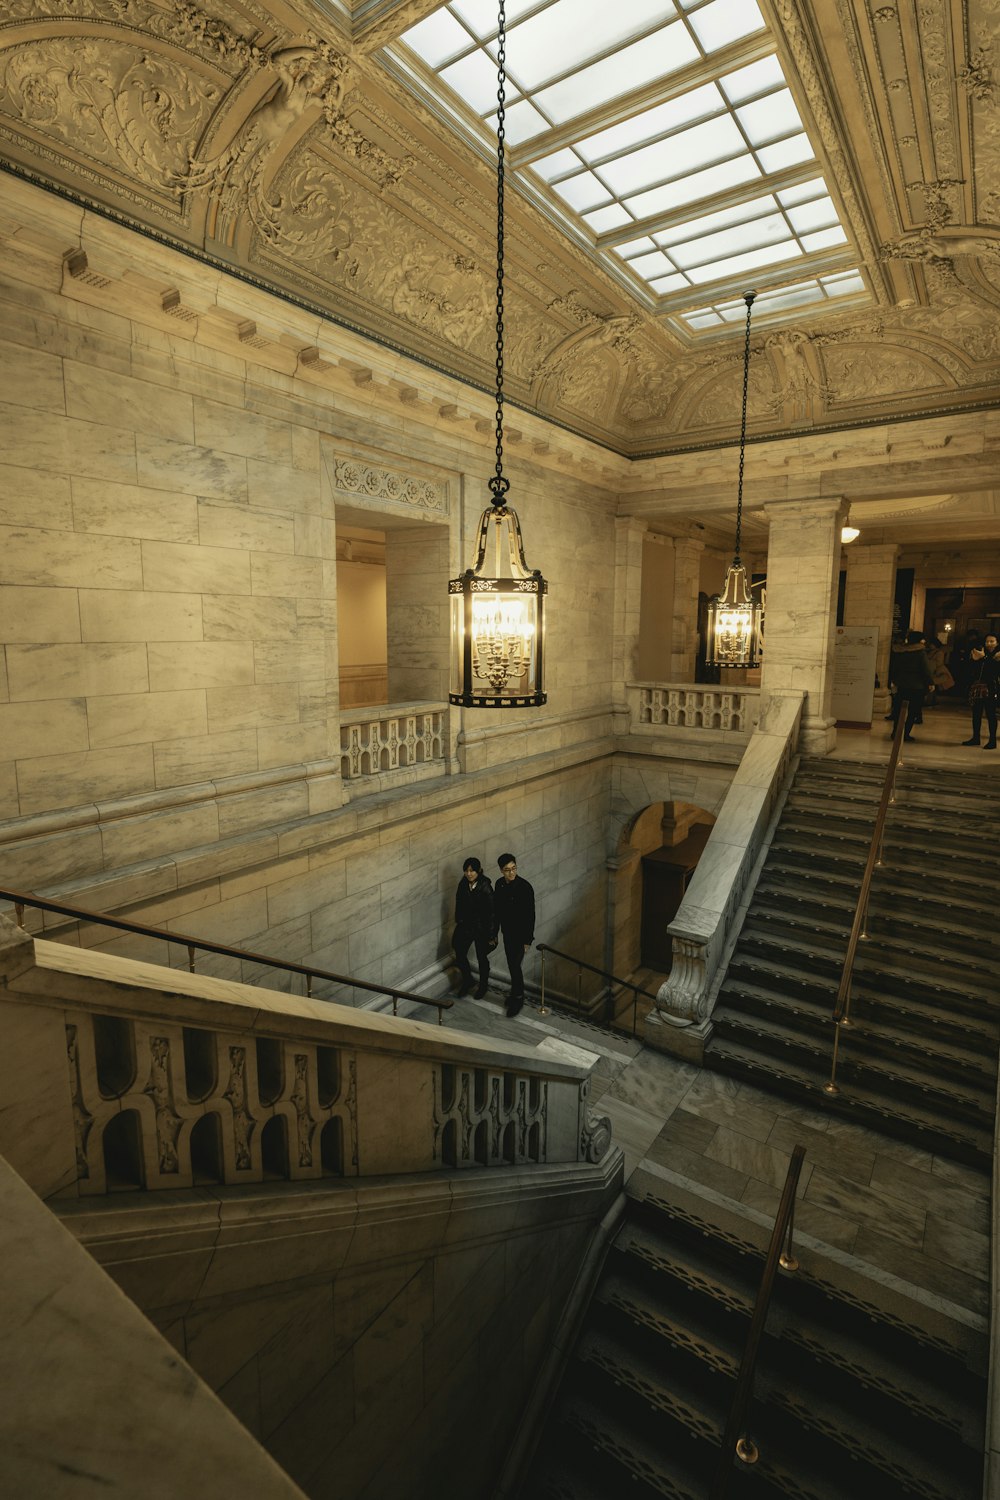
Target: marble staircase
{"points": [[860, 1389], [920, 1059]]}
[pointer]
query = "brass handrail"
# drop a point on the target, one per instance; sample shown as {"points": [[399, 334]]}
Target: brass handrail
{"points": [[859, 927], [736, 1442], [626, 984], [20, 899]]}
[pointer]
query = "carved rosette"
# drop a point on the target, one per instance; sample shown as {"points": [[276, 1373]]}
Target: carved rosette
{"points": [[374, 482]]}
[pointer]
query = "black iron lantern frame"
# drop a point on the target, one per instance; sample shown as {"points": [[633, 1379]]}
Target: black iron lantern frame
{"points": [[734, 629], [497, 619]]}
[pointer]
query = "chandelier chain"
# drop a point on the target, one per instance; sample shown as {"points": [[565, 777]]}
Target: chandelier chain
{"points": [[499, 485], [749, 298]]}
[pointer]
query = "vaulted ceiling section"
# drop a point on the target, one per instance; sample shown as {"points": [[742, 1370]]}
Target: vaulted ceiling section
{"points": [[841, 157]]}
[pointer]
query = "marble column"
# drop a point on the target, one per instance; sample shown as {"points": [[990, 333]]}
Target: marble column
{"points": [[684, 633], [629, 535], [803, 565], [868, 600]]}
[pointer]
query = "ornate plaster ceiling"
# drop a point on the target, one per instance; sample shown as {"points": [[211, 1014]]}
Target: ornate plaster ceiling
{"points": [[274, 137]]}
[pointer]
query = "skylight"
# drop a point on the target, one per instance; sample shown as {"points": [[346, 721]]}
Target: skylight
{"points": [[664, 130]]}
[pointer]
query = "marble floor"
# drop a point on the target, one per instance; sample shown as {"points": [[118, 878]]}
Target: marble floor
{"points": [[904, 1217], [936, 742]]}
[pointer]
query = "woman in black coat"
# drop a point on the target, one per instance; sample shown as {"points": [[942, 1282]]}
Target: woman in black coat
{"points": [[911, 676]]}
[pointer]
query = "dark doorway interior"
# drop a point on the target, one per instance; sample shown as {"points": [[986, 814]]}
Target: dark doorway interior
{"points": [[665, 877]]}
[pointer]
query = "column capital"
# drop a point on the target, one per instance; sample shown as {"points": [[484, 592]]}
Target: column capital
{"points": [[631, 523], [833, 506], [687, 545]]}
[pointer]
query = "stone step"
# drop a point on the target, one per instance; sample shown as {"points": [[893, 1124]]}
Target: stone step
{"points": [[968, 1057], [961, 1140], [820, 947], [833, 902]]}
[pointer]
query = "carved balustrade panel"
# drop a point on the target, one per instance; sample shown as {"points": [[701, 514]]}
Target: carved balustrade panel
{"points": [[391, 741], [159, 1105], [487, 1118], [697, 706]]}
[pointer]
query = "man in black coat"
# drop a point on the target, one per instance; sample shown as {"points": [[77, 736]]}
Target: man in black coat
{"points": [[910, 674], [474, 923], [514, 916]]}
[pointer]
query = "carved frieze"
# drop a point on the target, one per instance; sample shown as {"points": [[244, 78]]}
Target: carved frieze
{"points": [[376, 482]]}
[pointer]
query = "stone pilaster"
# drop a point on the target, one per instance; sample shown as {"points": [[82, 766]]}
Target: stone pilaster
{"points": [[803, 564], [684, 633], [868, 600], [629, 536]]}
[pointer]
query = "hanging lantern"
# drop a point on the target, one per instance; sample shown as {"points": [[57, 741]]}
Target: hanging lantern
{"points": [[497, 617], [734, 616], [497, 621]]}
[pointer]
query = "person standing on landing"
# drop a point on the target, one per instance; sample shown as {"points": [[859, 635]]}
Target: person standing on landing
{"points": [[514, 916], [984, 685], [474, 923], [910, 674]]}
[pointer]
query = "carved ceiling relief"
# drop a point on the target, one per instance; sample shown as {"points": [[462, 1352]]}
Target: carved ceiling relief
{"points": [[118, 103]]}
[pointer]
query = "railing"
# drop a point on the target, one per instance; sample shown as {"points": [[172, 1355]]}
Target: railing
{"points": [[736, 1442], [610, 979], [21, 899], [391, 738], [686, 705], [859, 927]]}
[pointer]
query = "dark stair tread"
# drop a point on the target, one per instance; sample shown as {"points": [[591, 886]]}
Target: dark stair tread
{"points": [[967, 1098], [961, 1140], [918, 1017], [968, 1060], [828, 944]]}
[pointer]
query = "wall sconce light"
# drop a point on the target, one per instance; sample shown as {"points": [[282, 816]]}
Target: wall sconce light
{"points": [[734, 616], [849, 534], [497, 626]]}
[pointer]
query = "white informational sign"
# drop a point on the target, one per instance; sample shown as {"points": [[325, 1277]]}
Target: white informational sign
{"points": [[854, 675]]}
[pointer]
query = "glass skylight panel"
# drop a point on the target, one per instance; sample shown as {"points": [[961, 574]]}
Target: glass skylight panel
{"points": [[654, 57], [740, 213], [481, 15], [633, 247], [582, 192], [698, 185], [652, 265], [601, 220], [785, 154], [725, 21], [770, 231], [802, 192], [521, 123], [768, 118], [702, 320], [556, 165], [570, 33], [751, 80], [843, 286], [824, 240], [819, 214], [437, 37], [735, 265], [474, 79], [699, 146], [694, 105], [664, 284]]}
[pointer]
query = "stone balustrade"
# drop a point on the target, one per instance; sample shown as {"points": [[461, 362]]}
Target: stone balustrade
{"points": [[137, 1077], [688, 705], [391, 738]]}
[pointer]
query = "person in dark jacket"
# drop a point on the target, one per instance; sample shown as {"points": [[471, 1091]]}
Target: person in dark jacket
{"points": [[911, 676], [984, 686], [514, 916], [473, 924]]}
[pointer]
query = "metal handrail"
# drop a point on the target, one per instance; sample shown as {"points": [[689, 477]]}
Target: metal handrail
{"points": [[20, 899], [581, 964], [736, 1442], [859, 927]]}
